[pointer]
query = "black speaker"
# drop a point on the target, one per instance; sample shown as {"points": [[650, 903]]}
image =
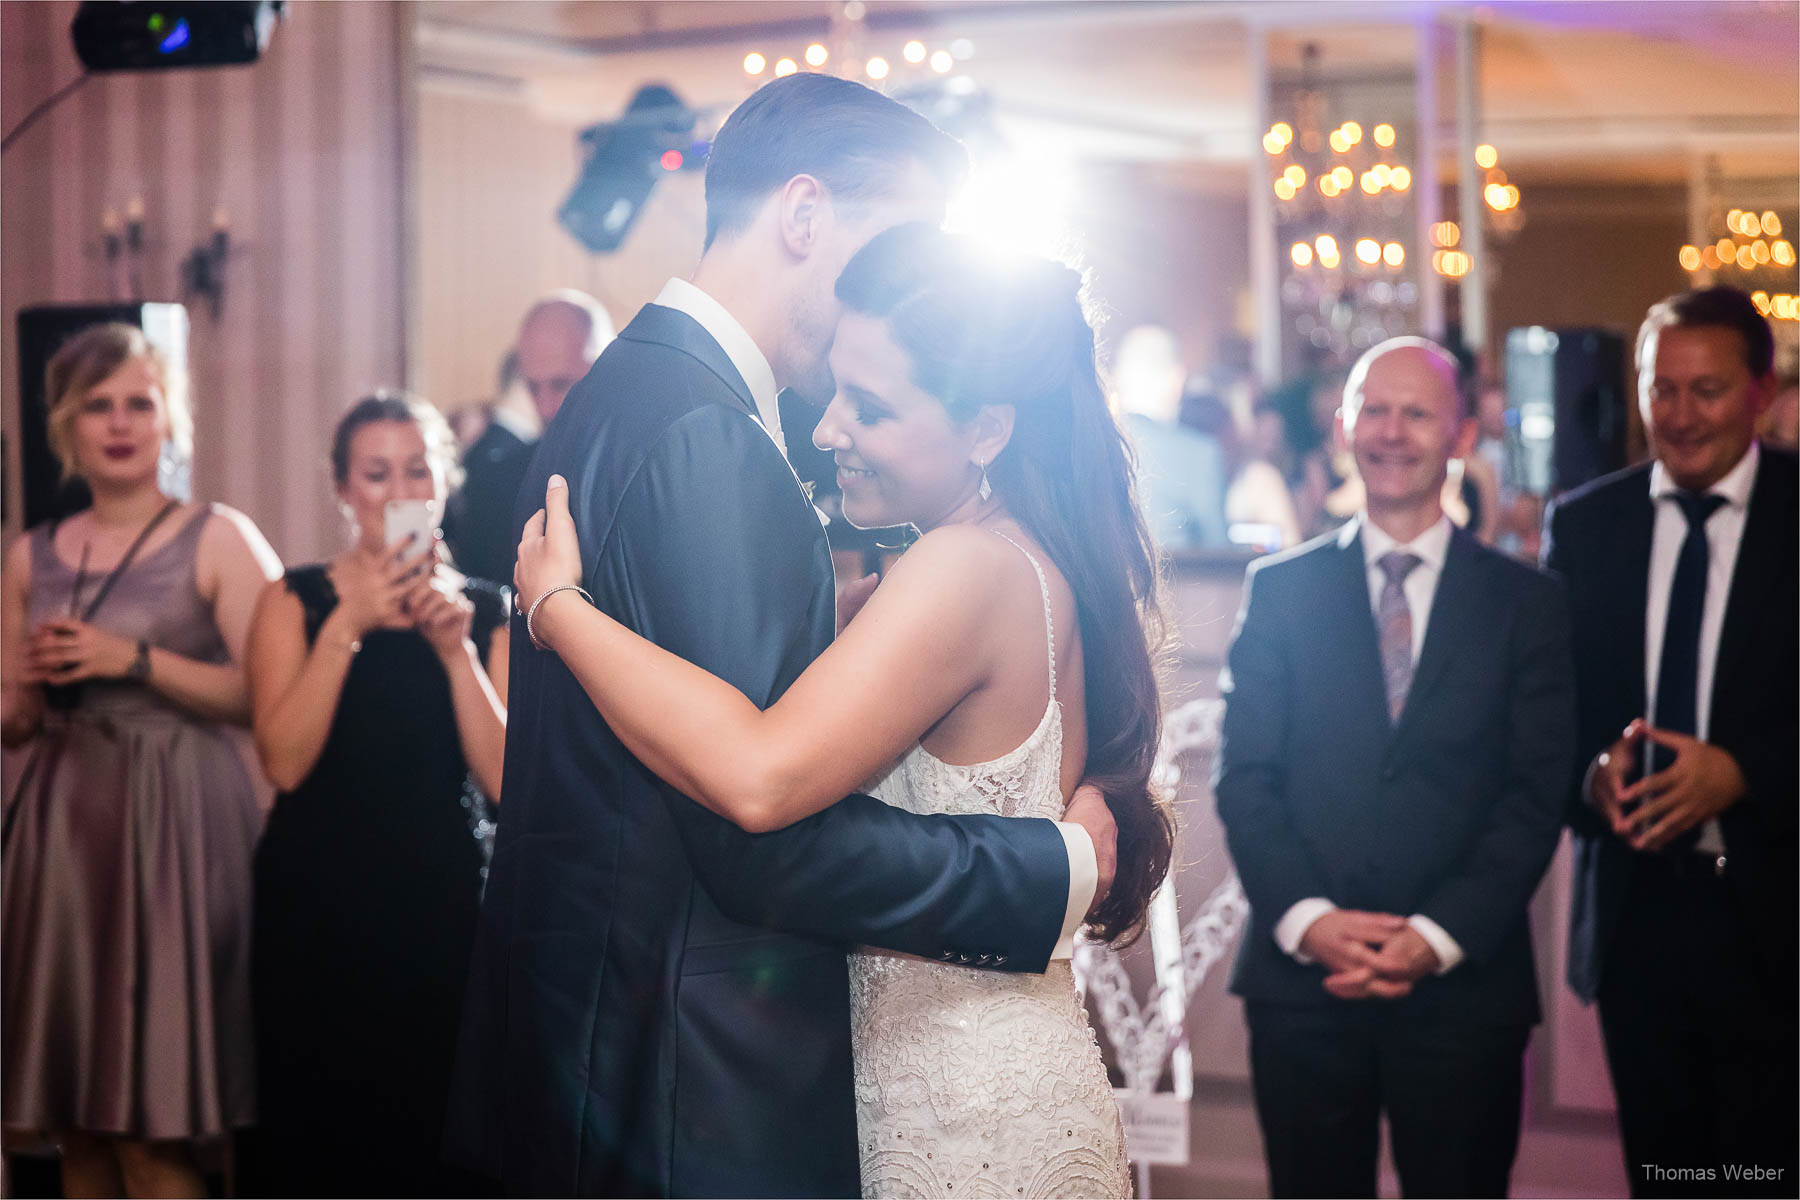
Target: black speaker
{"points": [[1567, 389], [137, 36], [623, 160], [42, 331]]}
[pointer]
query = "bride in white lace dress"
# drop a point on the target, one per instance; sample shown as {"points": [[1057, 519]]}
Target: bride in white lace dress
{"points": [[1002, 661]]}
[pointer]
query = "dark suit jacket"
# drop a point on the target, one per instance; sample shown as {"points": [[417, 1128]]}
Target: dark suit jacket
{"points": [[659, 1002], [1453, 813], [478, 520], [1599, 541]]}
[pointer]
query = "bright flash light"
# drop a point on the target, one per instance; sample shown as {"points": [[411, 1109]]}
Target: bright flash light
{"points": [[754, 63], [785, 67], [913, 52], [1018, 204], [877, 68]]}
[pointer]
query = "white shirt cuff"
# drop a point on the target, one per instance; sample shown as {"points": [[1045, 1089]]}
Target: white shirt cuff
{"points": [[1441, 943], [1296, 921], [1084, 878]]}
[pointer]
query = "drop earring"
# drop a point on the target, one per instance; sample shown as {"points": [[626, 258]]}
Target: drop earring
{"points": [[986, 489]]}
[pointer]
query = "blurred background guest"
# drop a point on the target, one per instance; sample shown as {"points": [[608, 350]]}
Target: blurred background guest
{"points": [[1181, 471], [1258, 498], [377, 681], [1682, 577], [559, 339], [130, 823], [1781, 424]]}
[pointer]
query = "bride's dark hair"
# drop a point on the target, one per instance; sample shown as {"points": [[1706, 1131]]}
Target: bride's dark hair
{"points": [[985, 331]]}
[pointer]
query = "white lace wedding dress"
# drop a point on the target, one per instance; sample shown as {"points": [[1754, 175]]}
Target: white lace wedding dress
{"points": [[973, 1082]]}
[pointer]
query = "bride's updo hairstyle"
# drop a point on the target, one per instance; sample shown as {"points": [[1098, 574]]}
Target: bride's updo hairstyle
{"points": [[982, 330]]}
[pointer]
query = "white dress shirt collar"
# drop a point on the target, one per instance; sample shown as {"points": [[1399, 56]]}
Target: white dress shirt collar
{"points": [[1431, 546], [1735, 487], [513, 423], [738, 345]]}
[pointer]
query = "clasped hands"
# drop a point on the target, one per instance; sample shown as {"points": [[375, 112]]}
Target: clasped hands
{"points": [[1368, 955], [1702, 782]]}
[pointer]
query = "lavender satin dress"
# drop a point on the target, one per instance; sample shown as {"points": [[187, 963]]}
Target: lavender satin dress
{"points": [[125, 885]]}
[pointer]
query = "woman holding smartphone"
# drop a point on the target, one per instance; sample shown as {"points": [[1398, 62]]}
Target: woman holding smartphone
{"points": [[376, 687]]}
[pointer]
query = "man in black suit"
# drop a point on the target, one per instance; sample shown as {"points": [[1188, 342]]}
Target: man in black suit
{"points": [[659, 1002], [559, 339], [1398, 734], [1682, 583]]}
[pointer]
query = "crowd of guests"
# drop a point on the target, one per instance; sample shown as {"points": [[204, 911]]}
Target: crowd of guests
{"points": [[176, 969]]}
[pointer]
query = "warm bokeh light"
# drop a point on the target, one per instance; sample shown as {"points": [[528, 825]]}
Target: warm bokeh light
{"points": [[1512, 196], [1501, 196], [1745, 260], [1393, 254], [754, 63], [785, 67], [1451, 263], [1382, 174], [1401, 179], [1352, 132], [876, 68], [1343, 177], [1689, 258], [816, 54], [1282, 132], [1771, 224], [1328, 186], [1446, 234], [1301, 253], [941, 61], [913, 52], [1296, 175], [1285, 190], [1709, 258], [1486, 156], [1782, 253], [1273, 144], [1369, 183], [1327, 249], [1383, 135], [1339, 142], [1759, 250], [1726, 249], [1368, 251]]}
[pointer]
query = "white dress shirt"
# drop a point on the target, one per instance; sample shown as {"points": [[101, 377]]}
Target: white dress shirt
{"points": [[753, 366], [1724, 534], [1420, 588]]}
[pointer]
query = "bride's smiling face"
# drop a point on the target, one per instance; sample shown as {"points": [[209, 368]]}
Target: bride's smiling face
{"points": [[901, 458]]}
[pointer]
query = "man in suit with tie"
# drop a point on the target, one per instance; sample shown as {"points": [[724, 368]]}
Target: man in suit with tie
{"points": [[559, 339], [1682, 584], [1398, 735], [659, 1002]]}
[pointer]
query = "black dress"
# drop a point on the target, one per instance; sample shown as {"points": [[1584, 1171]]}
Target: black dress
{"points": [[367, 884]]}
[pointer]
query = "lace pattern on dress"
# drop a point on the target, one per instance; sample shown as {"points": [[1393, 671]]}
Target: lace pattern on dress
{"points": [[971, 1082]]}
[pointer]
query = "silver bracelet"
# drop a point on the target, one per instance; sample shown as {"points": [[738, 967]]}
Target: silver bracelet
{"points": [[539, 603]]}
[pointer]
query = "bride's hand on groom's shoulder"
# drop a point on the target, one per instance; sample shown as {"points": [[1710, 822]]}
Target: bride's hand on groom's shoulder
{"points": [[549, 551], [1087, 808]]}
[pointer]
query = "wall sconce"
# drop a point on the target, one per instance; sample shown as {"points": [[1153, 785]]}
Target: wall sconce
{"points": [[203, 271], [123, 242]]}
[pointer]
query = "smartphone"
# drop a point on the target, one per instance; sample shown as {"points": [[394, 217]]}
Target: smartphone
{"points": [[418, 518]]}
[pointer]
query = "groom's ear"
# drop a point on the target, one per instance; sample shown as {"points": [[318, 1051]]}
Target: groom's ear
{"points": [[800, 207]]}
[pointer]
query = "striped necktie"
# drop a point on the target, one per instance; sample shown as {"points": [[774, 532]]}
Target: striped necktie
{"points": [[1394, 618]]}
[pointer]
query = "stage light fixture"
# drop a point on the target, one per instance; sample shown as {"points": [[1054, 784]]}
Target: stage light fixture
{"points": [[181, 33], [623, 159]]}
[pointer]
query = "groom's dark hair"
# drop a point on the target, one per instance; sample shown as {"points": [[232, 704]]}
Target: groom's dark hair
{"points": [[852, 139]]}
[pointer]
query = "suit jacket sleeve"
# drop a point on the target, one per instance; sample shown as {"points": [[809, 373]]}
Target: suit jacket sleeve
{"points": [[1479, 904], [1273, 861], [1557, 557], [723, 567]]}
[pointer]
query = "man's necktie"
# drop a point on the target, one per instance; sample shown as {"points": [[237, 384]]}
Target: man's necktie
{"points": [[1394, 618], [1678, 678]]}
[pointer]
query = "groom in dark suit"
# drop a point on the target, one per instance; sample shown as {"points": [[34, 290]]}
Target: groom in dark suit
{"points": [[1398, 735], [1682, 579], [659, 1002]]}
